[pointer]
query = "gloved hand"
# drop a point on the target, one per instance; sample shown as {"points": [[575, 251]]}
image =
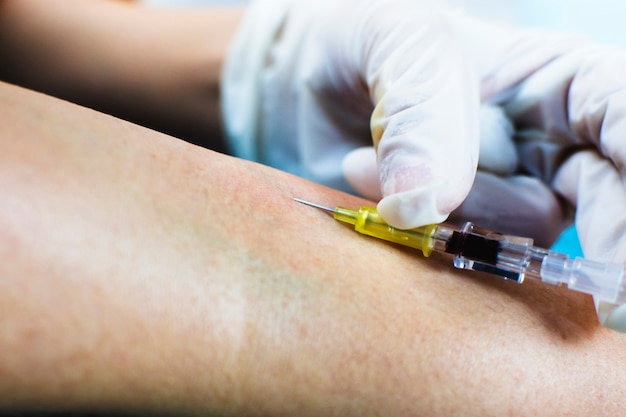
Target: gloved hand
{"points": [[307, 83]]}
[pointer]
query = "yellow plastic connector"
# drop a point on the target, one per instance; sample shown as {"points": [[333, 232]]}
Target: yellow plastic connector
{"points": [[367, 221]]}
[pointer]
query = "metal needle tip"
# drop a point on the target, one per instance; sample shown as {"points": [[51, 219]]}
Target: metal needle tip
{"points": [[308, 203]]}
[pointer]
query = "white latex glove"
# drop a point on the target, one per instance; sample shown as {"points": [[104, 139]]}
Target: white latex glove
{"points": [[307, 82]]}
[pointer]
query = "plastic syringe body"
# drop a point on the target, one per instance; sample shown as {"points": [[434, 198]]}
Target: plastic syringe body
{"points": [[510, 257]]}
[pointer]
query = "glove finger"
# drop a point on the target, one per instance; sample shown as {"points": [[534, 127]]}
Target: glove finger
{"points": [[518, 205], [575, 99], [595, 186], [497, 149], [597, 99], [424, 125], [612, 316], [361, 172], [497, 154]]}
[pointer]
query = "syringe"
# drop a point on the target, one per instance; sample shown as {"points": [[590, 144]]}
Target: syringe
{"points": [[510, 257]]}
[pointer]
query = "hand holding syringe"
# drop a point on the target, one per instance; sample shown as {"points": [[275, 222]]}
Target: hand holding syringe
{"points": [[510, 257]]}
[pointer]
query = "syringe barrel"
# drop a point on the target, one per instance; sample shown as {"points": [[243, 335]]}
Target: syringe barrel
{"points": [[511, 257], [480, 249], [603, 280]]}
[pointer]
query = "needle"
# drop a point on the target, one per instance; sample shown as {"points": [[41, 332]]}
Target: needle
{"points": [[308, 203], [510, 257]]}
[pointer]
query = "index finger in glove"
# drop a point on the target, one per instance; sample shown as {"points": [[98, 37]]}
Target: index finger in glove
{"points": [[425, 122]]}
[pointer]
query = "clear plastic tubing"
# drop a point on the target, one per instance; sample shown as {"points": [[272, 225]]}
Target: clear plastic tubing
{"points": [[510, 257]]}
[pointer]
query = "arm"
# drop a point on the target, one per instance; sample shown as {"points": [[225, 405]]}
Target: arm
{"points": [[154, 67], [143, 273]]}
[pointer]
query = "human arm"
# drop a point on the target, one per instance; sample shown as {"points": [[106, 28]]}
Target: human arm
{"points": [[142, 273], [158, 68]]}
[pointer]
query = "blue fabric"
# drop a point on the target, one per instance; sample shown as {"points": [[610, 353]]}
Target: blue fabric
{"points": [[568, 243]]}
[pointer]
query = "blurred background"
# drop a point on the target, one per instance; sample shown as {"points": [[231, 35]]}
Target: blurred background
{"points": [[600, 19]]}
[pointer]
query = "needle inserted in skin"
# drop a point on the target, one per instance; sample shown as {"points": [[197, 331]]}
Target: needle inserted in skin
{"points": [[475, 248], [308, 203]]}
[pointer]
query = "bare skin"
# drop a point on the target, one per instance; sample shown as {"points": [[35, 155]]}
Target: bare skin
{"points": [[143, 273]]}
